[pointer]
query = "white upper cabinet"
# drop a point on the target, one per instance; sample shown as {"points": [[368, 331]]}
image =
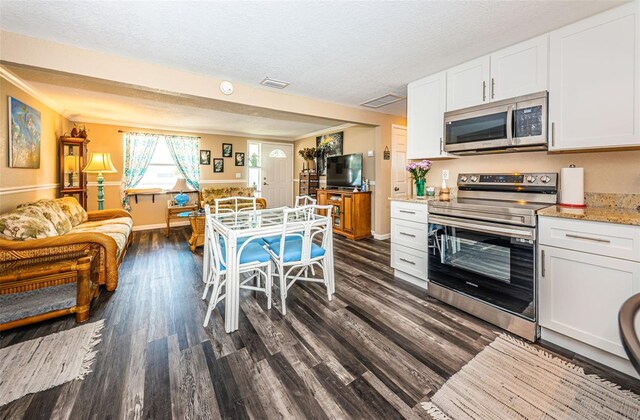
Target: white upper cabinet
{"points": [[468, 84], [425, 115], [594, 81], [520, 69]]}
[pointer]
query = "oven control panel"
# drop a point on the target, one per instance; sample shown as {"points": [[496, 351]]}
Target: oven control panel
{"points": [[517, 180]]}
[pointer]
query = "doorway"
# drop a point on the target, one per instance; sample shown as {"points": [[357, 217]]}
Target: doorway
{"points": [[273, 174], [399, 175]]}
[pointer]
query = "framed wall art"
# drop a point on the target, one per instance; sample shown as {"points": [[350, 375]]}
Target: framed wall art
{"points": [[218, 165], [24, 135], [205, 157], [327, 145], [227, 149], [239, 159]]}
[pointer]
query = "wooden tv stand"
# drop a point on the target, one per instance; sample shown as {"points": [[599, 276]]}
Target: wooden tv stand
{"points": [[351, 212]]}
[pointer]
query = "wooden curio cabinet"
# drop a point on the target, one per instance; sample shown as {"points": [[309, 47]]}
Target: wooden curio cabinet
{"points": [[72, 157]]}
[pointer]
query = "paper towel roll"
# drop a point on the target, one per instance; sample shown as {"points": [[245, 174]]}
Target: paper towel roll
{"points": [[572, 187]]}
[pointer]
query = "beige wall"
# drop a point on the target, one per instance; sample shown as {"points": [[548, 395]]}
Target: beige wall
{"points": [[107, 138], [29, 51], [52, 126], [617, 172], [358, 139]]}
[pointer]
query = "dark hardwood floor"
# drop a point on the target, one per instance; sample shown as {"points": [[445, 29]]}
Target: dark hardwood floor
{"points": [[376, 351]]}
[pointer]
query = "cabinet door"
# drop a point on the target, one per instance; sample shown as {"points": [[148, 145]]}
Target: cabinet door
{"points": [[468, 84], [347, 213], [520, 69], [594, 82], [425, 117], [581, 294]]}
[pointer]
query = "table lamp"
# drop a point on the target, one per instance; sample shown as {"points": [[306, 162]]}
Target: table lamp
{"points": [[71, 167], [100, 163]]}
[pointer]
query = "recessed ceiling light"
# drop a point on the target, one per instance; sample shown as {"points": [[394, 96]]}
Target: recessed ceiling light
{"points": [[272, 83], [382, 101]]}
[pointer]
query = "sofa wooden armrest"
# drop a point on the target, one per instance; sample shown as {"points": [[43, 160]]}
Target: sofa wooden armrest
{"points": [[97, 215], [70, 243]]}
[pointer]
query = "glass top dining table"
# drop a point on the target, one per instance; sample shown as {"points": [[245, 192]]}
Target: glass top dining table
{"points": [[251, 225]]}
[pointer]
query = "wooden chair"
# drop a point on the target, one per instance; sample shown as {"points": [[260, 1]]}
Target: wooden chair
{"points": [[297, 250], [253, 259]]}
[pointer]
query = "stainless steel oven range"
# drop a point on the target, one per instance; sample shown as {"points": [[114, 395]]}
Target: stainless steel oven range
{"points": [[484, 258]]}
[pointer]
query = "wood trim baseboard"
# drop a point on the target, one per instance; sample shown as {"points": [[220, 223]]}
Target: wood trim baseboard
{"points": [[380, 237], [27, 188], [202, 182], [159, 225]]}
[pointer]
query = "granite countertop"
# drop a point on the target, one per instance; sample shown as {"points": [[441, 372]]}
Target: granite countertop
{"points": [[410, 199], [601, 207], [595, 214]]}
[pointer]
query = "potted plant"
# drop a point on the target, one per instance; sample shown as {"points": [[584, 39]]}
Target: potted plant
{"points": [[418, 171], [253, 160], [309, 155]]}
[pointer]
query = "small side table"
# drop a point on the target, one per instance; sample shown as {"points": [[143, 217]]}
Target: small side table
{"points": [[196, 220], [173, 210], [66, 287]]}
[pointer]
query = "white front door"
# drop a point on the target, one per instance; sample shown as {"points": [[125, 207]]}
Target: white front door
{"points": [[399, 175], [277, 174]]}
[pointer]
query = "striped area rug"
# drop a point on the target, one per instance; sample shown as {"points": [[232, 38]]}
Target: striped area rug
{"points": [[42, 363], [511, 379]]}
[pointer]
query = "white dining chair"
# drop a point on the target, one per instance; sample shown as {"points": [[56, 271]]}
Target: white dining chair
{"points": [[253, 259], [296, 251], [237, 204], [304, 200]]}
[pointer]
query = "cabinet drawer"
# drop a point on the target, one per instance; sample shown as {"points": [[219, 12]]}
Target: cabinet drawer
{"points": [[409, 260], [413, 212], [409, 234], [612, 240]]}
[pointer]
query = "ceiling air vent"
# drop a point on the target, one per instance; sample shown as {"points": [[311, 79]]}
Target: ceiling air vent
{"points": [[272, 83], [382, 101]]}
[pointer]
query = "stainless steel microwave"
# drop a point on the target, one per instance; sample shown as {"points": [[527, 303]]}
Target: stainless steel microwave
{"points": [[512, 125]]}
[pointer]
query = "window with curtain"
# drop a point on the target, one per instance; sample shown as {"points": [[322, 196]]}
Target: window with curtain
{"points": [[162, 171], [157, 161]]}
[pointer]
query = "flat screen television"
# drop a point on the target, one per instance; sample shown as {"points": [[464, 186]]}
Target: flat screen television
{"points": [[344, 171]]}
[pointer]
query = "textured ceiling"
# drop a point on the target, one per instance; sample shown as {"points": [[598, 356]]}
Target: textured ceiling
{"points": [[340, 51], [85, 99]]}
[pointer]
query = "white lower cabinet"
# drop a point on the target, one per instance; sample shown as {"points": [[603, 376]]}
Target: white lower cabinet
{"points": [[409, 239], [580, 293]]}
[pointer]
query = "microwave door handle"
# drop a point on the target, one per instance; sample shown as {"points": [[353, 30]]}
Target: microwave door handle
{"points": [[510, 117]]}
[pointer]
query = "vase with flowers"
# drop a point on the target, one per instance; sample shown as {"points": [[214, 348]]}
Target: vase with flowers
{"points": [[418, 171], [309, 155]]}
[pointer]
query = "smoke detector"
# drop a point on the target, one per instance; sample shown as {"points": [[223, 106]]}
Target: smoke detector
{"points": [[382, 101], [272, 83]]}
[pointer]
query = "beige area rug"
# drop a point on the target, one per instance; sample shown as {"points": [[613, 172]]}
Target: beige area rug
{"points": [[511, 379], [45, 362]]}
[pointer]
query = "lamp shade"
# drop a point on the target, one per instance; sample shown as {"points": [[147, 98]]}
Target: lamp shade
{"points": [[71, 164], [99, 163], [180, 185]]}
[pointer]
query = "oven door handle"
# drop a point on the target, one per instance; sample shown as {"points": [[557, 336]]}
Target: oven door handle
{"points": [[479, 226]]}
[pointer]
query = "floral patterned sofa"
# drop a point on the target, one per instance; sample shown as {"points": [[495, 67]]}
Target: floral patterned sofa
{"points": [[209, 195], [50, 228]]}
